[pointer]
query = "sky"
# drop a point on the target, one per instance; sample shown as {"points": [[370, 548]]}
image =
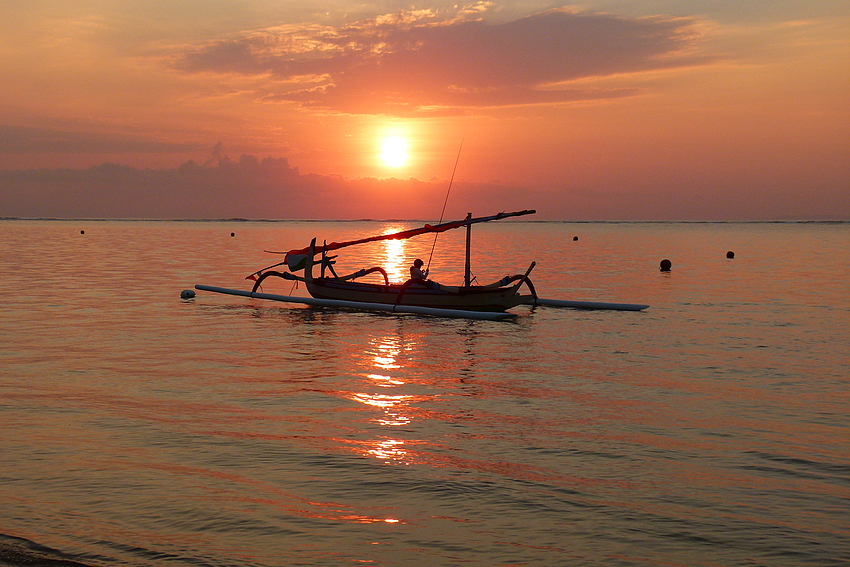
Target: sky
{"points": [[604, 110]]}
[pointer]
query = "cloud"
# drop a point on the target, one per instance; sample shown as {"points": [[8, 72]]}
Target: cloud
{"points": [[247, 188], [417, 61], [272, 189], [24, 139]]}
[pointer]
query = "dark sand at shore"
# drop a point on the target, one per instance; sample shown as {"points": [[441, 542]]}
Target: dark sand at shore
{"points": [[15, 551]]}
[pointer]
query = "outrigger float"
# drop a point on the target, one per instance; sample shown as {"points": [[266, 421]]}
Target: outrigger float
{"points": [[422, 297]]}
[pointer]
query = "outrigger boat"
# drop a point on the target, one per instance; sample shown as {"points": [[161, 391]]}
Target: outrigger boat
{"points": [[425, 297]]}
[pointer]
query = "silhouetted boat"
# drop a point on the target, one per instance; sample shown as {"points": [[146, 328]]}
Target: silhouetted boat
{"points": [[497, 296], [413, 296]]}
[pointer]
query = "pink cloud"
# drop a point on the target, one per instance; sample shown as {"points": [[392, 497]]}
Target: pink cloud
{"points": [[404, 65]]}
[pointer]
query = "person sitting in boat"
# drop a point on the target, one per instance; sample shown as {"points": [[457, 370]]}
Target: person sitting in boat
{"points": [[420, 276], [416, 271]]}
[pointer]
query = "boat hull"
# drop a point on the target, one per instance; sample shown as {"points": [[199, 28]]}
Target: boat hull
{"points": [[475, 298]]}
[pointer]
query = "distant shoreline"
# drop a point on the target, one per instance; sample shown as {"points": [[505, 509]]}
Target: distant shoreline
{"points": [[420, 221]]}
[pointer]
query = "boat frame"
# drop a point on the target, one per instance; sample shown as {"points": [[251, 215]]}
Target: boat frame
{"points": [[497, 296], [420, 297]]}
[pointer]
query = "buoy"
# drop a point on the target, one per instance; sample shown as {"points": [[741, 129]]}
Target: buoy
{"points": [[187, 294], [232, 234], [666, 265], [730, 254], [575, 238]]}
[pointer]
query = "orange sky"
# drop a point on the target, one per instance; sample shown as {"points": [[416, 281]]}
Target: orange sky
{"points": [[604, 110]]}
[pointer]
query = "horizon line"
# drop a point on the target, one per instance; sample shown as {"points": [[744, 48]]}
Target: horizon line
{"points": [[529, 221]]}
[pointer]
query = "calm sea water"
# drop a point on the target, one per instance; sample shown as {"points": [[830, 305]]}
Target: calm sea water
{"points": [[141, 429]]}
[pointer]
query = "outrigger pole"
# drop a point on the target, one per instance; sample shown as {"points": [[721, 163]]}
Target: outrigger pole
{"points": [[362, 306], [411, 309]]}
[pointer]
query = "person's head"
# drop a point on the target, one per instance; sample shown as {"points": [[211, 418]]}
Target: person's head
{"points": [[418, 263]]}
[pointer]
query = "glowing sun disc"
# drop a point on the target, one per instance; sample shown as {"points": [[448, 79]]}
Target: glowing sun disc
{"points": [[394, 151]]}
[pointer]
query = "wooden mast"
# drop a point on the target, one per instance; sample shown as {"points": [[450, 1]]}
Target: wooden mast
{"points": [[467, 273]]}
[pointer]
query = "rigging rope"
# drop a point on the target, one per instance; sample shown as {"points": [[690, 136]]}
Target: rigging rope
{"points": [[436, 234]]}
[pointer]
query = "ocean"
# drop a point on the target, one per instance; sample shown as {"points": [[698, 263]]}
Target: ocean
{"points": [[138, 428]]}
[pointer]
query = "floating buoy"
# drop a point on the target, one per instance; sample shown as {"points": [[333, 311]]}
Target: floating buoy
{"points": [[575, 238], [666, 265], [187, 294], [730, 254]]}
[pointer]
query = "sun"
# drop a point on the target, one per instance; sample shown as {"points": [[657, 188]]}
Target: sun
{"points": [[394, 151]]}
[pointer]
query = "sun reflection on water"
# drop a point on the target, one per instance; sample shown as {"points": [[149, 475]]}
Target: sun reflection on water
{"points": [[385, 362], [380, 400], [389, 451], [387, 352], [384, 381], [394, 260], [395, 409], [390, 404]]}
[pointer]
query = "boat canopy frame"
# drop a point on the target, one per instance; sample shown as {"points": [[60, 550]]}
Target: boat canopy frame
{"points": [[295, 259]]}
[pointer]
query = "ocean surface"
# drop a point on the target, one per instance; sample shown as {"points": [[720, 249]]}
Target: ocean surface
{"points": [[138, 428]]}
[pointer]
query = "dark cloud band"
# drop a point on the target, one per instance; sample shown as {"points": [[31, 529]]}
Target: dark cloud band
{"points": [[405, 65]]}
